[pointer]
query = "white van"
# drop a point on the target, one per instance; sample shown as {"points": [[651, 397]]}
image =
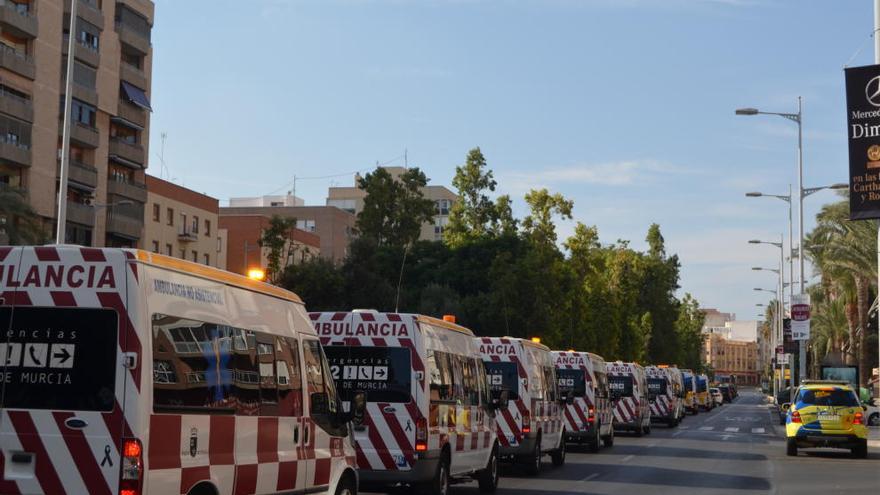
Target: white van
{"points": [[429, 417], [629, 394], [588, 417], [531, 425], [132, 373], [664, 394]]}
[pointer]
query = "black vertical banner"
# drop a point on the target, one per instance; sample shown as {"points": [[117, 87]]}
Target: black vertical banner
{"points": [[863, 128]]}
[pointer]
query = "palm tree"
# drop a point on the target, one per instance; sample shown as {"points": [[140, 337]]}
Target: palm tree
{"points": [[19, 223]]}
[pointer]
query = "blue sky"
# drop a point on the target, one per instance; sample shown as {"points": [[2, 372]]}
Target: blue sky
{"points": [[624, 106]]}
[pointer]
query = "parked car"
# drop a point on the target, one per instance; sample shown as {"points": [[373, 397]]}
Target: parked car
{"points": [[826, 413], [873, 412], [717, 398], [726, 392]]}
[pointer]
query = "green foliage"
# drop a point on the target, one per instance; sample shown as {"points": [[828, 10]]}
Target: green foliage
{"points": [[473, 214], [276, 238], [394, 209], [688, 330], [20, 223], [538, 225]]}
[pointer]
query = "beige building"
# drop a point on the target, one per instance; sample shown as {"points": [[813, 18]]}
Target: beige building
{"points": [[183, 223], [110, 119], [352, 199], [244, 232], [734, 358]]}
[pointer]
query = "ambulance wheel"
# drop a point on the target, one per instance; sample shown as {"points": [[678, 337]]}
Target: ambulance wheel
{"points": [[791, 447], [639, 431], [594, 444], [488, 478], [346, 486], [203, 488], [440, 484], [533, 461], [609, 440], [558, 456], [647, 429], [860, 451]]}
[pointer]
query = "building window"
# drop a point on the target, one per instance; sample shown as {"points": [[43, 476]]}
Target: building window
{"points": [[170, 217], [207, 259], [443, 206], [156, 212], [83, 113], [207, 227], [168, 249], [195, 256], [183, 226], [195, 224], [182, 253], [155, 246], [307, 225]]}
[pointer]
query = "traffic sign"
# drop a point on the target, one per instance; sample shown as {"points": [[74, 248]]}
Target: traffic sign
{"points": [[800, 317]]}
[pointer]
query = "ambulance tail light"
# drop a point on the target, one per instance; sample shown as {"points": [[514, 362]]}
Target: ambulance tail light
{"points": [[526, 422], [795, 417], [591, 415], [859, 419], [421, 435], [131, 478]]}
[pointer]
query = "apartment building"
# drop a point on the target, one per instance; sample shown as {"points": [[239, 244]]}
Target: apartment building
{"points": [[243, 233], [735, 358], [110, 119], [334, 227], [183, 223], [351, 199]]}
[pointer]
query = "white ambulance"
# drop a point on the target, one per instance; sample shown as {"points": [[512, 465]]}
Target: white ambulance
{"points": [[523, 372], [429, 417], [130, 373], [588, 418], [690, 391], [664, 394], [629, 395]]}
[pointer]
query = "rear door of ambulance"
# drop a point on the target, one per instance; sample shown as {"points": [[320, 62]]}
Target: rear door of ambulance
{"points": [[65, 325]]}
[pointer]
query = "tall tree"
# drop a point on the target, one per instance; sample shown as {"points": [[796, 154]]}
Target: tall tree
{"points": [[394, 209], [473, 213], [543, 206], [18, 221], [276, 238], [657, 296], [504, 223], [689, 326]]}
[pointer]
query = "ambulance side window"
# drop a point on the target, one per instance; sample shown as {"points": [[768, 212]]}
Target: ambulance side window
{"points": [[440, 368], [550, 383], [539, 387], [323, 400], [289, 377], [471, 382], [485, 397], [458, 393]]}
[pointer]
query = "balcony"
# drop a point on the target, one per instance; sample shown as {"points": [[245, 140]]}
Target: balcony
{"points": [[123, 225], [133, 38], [82, 134], [127, 151], [82, 93], [131, 190], [83, 52], [132, 113], [17, 62], [81, 173], [81, 214], [132, 74], [86, 10], [186, 234], [16, 106], [15, 152], [22, 23]]}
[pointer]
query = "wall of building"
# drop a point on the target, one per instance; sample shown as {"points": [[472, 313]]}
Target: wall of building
{"points": [[732, 357], [334, 227], [243, 233]]}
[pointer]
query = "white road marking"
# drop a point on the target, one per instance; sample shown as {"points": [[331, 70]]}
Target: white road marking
{"points": [[732, 429], [683, 427], [725, 437], [757, 430], [707, 428], [588, 478], [627, 458], [677, 433]]}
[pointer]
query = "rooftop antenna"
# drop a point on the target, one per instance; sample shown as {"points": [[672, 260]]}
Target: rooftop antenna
{"points": [[405, 159], [163, 169]]}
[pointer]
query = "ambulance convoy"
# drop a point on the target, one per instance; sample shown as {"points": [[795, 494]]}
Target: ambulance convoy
{"points": [[127, 372]]}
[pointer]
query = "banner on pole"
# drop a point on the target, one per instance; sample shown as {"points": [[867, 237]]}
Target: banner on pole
{"points": [[863, 122], [800, 317]]}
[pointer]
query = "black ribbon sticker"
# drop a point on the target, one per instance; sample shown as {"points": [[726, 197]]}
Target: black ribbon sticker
{"points": [[107, 459]]}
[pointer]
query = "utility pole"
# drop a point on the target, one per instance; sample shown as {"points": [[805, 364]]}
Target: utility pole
{"points": [[61, 227], [877, 61], [802, 344]]}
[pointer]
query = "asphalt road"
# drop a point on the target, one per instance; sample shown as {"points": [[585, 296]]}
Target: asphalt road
{"points": [[735, 449]]}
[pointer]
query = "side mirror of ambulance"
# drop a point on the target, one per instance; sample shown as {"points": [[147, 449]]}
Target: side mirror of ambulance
{"points": [[358, 407]]}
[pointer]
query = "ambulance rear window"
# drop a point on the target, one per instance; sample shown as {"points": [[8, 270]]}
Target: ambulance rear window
{"points": [[383, 373], [571, 382], [834, 397], [656, 386], [59, 358], [621, 386], [502, 376]]}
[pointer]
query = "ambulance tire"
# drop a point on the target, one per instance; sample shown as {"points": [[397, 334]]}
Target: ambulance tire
{"points": [[647, 429], [558, 456], [347, 485], [608, 441], [595, 443], [203, 489], [532, 462], [639, 431], [791, 447], [860, 451], [488, 478], [440, 484]]}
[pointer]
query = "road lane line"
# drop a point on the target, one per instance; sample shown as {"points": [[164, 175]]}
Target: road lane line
{"points": [[677, 433], [757, 430], [627, 458], [707, 428], [683, 427], [732, 429], [588, 478]]}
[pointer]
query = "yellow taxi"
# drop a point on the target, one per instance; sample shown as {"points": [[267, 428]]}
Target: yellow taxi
{"points": [[826, 414]]}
